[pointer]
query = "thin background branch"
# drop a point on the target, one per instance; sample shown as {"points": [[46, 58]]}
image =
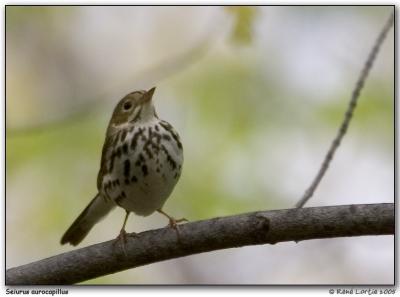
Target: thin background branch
{"points": [[349, 113], [156, 73], [209, 235]]}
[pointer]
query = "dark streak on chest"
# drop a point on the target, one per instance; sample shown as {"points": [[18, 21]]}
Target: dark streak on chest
{"points": [[167, 127]]}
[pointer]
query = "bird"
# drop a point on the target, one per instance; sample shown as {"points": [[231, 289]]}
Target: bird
{"points": [[141, 162]]}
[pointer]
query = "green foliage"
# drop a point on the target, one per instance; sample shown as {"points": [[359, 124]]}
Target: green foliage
{"points": [[80, 138], [244, 18], [232, 95], [231, 104], [19, 15]]}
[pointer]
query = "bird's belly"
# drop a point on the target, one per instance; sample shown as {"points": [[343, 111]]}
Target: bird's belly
{"points": [[141, 180], [146, 190]]}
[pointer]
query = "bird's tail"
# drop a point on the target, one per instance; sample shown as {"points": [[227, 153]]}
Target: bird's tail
{"points": [[97, 209]]}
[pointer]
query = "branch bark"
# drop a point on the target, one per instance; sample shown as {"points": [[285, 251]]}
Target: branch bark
{"points": [[254, 228]]}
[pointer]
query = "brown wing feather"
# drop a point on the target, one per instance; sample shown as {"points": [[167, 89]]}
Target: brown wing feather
{"points": [[111, 136]]}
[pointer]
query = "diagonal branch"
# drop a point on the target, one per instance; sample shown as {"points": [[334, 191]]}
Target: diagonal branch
{"points": [[155, 73], [203, 236], [349, 113]]}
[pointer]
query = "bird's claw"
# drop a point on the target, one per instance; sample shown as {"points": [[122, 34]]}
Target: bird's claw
{"points": [[173, 223], [122, 236]]}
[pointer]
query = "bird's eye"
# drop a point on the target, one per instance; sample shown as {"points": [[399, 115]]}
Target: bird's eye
{"points": [[127, 105]]}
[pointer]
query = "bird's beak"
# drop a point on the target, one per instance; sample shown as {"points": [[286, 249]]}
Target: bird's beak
{"points": [[148, 95]]}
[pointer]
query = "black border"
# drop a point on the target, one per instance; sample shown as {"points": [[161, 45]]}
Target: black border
{"points": [[157, 286]]}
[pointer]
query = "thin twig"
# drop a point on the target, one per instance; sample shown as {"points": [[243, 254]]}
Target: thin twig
{"points": [[349, 113], [156, 73], [254, 228]]}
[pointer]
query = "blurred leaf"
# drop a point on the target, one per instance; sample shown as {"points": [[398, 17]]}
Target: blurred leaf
{"points": [[230, 102], [244, 17], [49, 15], [79, 138], [232, 96]]}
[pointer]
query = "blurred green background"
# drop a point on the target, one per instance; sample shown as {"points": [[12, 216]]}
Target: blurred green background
{"points": [[256, 93]]}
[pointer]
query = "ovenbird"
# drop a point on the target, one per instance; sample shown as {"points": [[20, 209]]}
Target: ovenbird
{"points": [[141, 162]]}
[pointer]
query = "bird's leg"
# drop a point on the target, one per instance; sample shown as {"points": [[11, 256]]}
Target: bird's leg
{"points": [[173, 223], [122, 233]]}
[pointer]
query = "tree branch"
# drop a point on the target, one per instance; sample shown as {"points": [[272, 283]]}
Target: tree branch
{"points": [[155, 73], [203, 236], [349, 112]]}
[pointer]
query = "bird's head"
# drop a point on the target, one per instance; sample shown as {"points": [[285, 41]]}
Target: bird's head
{"points": [[134, 108]]}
